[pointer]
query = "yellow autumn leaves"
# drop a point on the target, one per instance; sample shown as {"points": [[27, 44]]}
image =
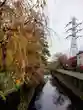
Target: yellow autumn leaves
{"points": [[24, 28]]}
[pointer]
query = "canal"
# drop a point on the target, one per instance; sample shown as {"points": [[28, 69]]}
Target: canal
{"points": [[51, 98]]}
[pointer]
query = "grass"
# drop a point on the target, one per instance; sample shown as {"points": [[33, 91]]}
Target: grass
{"points": [[6, 81]]}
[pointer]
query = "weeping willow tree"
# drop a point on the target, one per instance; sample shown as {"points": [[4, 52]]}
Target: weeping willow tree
{"points": [[23, 32]]}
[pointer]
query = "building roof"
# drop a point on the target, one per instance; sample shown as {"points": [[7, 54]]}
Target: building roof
{"points": [[71, 58]]}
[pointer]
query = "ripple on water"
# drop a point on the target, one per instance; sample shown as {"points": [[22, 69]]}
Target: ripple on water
{"points": [[51, 99]]}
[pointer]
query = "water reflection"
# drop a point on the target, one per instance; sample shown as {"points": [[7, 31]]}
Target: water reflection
{"points": [[51, 99]]}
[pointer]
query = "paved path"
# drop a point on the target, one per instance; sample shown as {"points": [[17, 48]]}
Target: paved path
{"points": [[77, 75]]}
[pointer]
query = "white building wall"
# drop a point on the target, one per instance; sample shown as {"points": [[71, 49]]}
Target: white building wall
{"points": [[80, 59]]}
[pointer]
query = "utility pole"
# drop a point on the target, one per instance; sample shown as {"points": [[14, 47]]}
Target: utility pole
{"points": [[74, 30]]}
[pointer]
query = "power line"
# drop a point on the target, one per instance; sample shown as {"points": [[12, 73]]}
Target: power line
{"points": [[73, 34]]}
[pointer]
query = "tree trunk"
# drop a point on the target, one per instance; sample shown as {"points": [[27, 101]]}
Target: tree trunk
{"points": [[3, 46]]}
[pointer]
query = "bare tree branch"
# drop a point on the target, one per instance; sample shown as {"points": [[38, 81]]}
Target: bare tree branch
{"points": [[1, 4]]}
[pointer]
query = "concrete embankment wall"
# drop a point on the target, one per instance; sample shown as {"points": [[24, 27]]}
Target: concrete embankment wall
{"points": [[73, 97], [71, 82]]}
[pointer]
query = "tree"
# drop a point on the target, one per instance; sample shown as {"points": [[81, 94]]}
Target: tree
{"points": [[2, 3], [21, 29], [63, 59], [56, 56], [45, 52], [60, 58]]}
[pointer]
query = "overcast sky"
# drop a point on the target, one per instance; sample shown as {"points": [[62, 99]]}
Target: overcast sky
{"points": [[60, 13]]}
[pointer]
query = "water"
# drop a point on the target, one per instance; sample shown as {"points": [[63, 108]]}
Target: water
{"points": [[50, 98]]}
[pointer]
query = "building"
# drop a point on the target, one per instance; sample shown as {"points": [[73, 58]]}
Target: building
{"points": [[72, 61], [80, 59]]}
